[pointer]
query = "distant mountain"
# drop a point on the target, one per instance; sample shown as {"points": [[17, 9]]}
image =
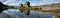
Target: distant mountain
{"points": [[55, 4]]}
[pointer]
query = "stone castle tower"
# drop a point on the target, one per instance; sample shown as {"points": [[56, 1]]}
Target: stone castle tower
{"points": [[20, 8], [27, 4], [27, 8], [20, 4]]}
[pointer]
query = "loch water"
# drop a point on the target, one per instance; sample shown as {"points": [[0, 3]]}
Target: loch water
{"points": [[33, 14]]}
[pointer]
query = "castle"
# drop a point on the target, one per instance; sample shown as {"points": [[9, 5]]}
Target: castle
{"points": [[27, 5]]}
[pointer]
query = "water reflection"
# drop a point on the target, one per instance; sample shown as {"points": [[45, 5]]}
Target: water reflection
{"points": [[33, 14]]}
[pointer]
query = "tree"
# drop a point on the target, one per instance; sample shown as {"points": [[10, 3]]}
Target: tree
{"points": [[2, 7]]}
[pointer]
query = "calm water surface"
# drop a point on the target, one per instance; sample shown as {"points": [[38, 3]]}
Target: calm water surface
{"points": [[33, 14]]}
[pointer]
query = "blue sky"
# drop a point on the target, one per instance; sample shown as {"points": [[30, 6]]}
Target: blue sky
{"points": [[32, 2]]}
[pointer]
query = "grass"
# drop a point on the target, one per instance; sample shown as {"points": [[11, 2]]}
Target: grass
{"points": [[54, 11], [58, 16]]}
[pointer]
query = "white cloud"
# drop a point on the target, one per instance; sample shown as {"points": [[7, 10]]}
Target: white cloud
{"points": [[33, 2], [11, 2], [3, 0], [44, 2]]}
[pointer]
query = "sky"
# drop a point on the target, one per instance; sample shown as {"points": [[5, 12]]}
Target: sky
{"points": [[32, 2]]}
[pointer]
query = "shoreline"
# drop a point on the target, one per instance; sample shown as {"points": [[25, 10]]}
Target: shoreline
{"points": [[54, 11]]}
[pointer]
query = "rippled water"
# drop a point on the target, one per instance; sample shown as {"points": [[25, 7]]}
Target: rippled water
{"points": [[33, 14]]}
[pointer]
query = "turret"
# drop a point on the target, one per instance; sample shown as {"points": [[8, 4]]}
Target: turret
{"points": [[27, 4], [20, 4]]}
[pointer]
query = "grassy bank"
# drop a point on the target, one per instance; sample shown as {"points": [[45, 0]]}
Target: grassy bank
{"points": [[55, 11]]}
